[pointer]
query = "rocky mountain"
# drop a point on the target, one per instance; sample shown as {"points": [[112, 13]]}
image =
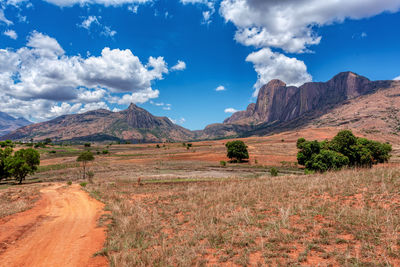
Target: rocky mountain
{"points": [[280, 107], [9, 123], [134, 124]]}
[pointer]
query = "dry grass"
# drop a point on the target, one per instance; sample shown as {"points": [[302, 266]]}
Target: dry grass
{"points": [[347, 218], [16, 199]]}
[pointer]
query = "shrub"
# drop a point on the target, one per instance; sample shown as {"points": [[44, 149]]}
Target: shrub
{"points": [[222, 163], [83, 184], [157, 146], [87, 144], [237, 150], [69, 183], [273, 172], [344, 150], [105, 151]]}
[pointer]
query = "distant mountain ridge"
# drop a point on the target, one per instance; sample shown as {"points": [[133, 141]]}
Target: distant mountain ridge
{"points": [[280, 107], [134, 124], [9, 123], [354, 100]]}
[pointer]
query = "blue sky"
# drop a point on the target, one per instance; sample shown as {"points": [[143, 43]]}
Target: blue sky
{"points": [[67, 56]]}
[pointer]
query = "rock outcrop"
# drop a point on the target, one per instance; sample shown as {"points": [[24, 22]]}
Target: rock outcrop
{"points": [[280, 106]]}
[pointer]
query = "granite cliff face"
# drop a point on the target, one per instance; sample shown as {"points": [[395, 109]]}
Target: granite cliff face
{"points": [[278, 102], [282, 107], [134, 124], [9, 124]]}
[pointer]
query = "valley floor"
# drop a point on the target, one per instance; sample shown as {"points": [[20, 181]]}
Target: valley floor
{"points": [[186, 209]]}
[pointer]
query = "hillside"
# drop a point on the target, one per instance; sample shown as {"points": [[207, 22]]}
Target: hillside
{"points": [[9, 123], [347, 100], [134, 124]]}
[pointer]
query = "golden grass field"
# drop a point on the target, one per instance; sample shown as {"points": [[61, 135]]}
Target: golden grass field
{"points": [[188, 210]]}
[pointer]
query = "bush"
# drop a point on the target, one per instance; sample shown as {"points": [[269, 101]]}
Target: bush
{"points": [[105, 151], [69, 183], [87, 144], [344, 150], [83, 184], [237, 150], [273, 172], [222, 163]]}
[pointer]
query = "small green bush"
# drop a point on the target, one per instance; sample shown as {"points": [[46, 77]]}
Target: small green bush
{"points": [[222, 163], [273, 172], [83, 184], [69, 183], [105, 151]]}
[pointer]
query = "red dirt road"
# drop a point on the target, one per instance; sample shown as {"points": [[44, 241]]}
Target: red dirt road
{"points": [[61, 230]]}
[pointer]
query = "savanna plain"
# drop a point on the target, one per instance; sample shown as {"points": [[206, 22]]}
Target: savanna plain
{"points": [[171, 204]]}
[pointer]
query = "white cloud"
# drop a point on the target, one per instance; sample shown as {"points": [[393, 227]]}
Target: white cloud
{"points": [[178, 121], [220, 88], [271, 65], [181, 65], [91, 21], [107, 31], [210, 4], [4, 19], [230, 110], [290, 24], [397, 78], [67, 3], [86, 23], [12, 34], [38, 78]]}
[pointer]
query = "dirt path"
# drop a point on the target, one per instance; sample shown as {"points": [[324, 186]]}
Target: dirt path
{"points": [[61, 230]]}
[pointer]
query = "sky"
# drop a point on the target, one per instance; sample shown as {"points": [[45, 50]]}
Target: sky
{"points": [[193, 61]]}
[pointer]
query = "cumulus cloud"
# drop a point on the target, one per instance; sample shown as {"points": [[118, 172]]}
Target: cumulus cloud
{"points": [[272, 65], [230, 110], [12, 34], [220, 88], [181, 65], [41, 76], [397, 78], [289, 24]]}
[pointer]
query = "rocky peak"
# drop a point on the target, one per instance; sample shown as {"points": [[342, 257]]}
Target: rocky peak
{"points": [[278, 102]]}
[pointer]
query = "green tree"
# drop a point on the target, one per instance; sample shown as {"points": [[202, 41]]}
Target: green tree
{"points": [[237, 150], [4, 155], [344, 150], [24, 162], [85, 157]]}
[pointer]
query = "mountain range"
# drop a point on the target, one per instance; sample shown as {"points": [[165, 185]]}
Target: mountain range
{"points": [[347, 100], [9, 123]]}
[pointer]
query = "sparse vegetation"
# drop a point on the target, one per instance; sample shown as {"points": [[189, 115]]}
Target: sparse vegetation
{"points": [[85, 157], [273, 171], [237, 150]]}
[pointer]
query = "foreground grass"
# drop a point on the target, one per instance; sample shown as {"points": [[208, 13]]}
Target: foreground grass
{"points": [[16, 198], [349, 218]]}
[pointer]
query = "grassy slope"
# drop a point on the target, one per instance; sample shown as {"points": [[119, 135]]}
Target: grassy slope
{"points": [[348, 218]]}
